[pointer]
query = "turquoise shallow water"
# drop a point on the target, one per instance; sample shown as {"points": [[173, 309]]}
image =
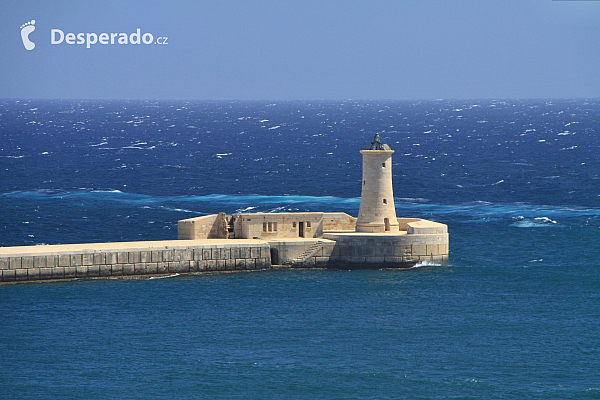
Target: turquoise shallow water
{"points": [[515, 315]]}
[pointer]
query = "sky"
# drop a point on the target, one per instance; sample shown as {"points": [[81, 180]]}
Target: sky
{"points": [[302, 50]]}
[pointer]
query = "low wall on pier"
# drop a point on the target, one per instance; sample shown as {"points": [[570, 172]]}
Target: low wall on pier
{"points": [[92, 260]]}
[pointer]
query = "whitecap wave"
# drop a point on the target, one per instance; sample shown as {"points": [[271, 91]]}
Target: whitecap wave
{"points": [[537, 222], [245, 209], [179, 210]]}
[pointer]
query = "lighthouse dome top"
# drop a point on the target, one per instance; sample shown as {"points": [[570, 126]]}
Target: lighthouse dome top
{"points": [[377, 145]]}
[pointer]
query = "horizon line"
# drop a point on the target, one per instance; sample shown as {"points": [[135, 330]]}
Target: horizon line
{"points": [[301, 100]]}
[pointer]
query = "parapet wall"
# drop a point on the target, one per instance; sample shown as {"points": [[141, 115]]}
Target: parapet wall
{"points": [[338, 221], [403, 223], [93, 260], [196, 228], [425, 227]]}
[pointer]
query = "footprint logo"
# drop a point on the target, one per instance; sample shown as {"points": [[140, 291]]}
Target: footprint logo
{"points": [[26, 29]]}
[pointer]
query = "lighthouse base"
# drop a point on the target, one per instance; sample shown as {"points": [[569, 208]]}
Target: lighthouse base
{"points": [[354, 250], [377, 228]]}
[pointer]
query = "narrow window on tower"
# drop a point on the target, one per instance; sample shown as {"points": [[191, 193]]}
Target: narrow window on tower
{"points": [[264, 226], [274, 226], [364, 183], [270, 226], [384, 201], [382, 165]]}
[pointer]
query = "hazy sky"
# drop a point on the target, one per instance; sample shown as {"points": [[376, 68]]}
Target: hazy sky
{"points": [[294, 50]]}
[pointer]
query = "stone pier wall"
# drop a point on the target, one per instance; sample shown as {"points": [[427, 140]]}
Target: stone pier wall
{"points": [[92, 260], [385, 251], [422, 242]]}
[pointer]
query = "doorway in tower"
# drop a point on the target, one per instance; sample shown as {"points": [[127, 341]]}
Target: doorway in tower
{"points": [[301, 229], [386, 221]]}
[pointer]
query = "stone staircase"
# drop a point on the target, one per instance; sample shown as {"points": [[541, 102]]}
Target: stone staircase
{"points": [[309, 252]]}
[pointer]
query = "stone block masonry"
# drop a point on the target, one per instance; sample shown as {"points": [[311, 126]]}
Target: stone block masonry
{"points": [[95, 260], [427, 245], [422, 242]]}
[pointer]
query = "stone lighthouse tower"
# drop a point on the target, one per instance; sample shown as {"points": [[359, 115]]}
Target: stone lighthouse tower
{"points": [[377, 212]]}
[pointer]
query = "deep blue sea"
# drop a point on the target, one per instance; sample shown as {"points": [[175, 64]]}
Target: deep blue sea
{"points": [[516, 315]]}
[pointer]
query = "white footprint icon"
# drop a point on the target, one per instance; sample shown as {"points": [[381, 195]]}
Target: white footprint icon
{"points": [[26, 29]]}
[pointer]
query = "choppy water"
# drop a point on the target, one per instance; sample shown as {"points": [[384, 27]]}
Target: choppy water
{"points": [[514, 316]]}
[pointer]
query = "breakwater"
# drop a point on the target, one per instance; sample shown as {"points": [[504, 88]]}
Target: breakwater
{"points": [[94, 260], [418, 241]]}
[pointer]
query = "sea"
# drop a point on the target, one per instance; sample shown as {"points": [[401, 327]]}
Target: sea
{"points": [[516, 314]]}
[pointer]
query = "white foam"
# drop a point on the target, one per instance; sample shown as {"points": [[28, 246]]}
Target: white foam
{"points": [[245, 209], [178, 209], [426, 263], [537, 222], [545, 219], [164, 277]]}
